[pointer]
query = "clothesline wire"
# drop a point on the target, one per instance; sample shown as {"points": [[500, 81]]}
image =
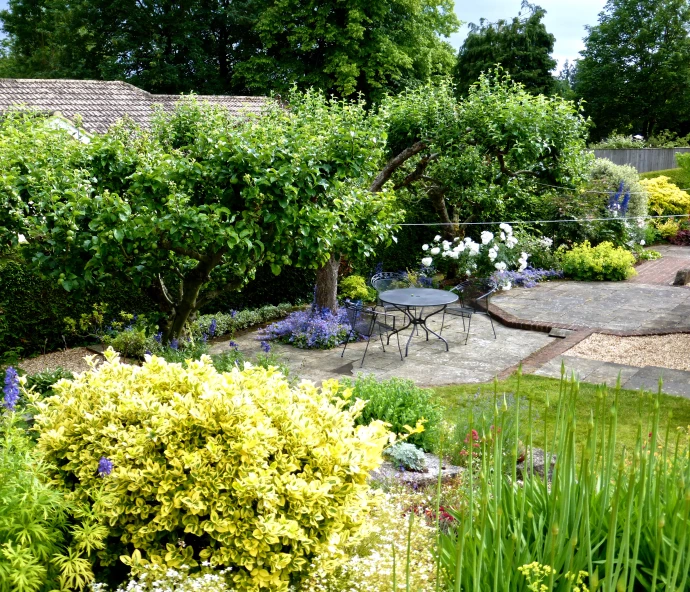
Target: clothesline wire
{"points": [[517, 222], [592, 190]]}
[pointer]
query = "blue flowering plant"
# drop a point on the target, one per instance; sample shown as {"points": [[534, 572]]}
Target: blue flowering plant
{"points": [[527, 278], [310, 329], [11, 389]]}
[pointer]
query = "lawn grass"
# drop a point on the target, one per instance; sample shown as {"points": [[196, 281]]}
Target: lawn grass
{"points": [[633, 406], [678, 177]]}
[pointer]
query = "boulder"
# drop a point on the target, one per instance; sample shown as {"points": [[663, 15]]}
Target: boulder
{"points": [[682, 277], [388, 471]]}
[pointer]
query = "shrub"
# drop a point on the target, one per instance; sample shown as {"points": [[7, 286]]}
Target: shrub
{"points": [[228, 323], [131, 342], [354, 287], [667, 228], [665, 198], [601, 263], [238, 469], [678, 177], [400, 403], [620, 517], [528, 278], [406, 456], [42, 382], [682, 237], [310, 329], [179, 580], [40, 549]]}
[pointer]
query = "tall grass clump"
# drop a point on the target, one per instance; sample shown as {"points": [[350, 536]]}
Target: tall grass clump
{"points": [[620, 515]]}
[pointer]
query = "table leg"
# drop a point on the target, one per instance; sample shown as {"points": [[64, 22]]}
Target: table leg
{"points": [[429, 330]]}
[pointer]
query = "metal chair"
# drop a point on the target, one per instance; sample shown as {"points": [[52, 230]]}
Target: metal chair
{"points": [[367, 322], [474, 299], [390, 280]]}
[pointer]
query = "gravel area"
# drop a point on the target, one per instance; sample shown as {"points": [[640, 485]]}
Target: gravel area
{"points": [[69, 359], [666, 351]]}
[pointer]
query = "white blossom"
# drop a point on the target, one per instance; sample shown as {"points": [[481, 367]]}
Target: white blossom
{"points": [[21, 238], [487, 237], [454, 254], [427, 261], [500, 266], [503, 236], [493, 253], [445, 245], [474, 248], [643, 242], [425, 247], [459, 248], [507, 228], [507, 286], [546, 242], [468, 273], [435, 251], [511, 241], [437, 238]]}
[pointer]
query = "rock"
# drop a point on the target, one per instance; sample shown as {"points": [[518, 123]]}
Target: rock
{"points": [[682, 277], [430, 476], [539, 463], [556, 332]]}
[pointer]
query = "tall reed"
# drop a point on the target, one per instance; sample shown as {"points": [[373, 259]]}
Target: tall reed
{"points": [[622, 516]]}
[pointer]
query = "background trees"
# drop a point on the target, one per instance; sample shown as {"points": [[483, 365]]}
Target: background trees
{"points": [[190, 210], [245, 46], [522, 46], [635, 69]]}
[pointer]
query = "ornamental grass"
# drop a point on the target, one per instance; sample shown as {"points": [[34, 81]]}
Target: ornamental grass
{"points": [[621, 517]]}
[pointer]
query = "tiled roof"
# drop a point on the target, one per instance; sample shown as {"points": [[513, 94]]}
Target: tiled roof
{"points": [[101, 103]]}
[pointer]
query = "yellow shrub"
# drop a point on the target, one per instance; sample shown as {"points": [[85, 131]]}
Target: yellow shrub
{"points": [[236, 469], [668, 227], [605, 262], [665, 198]]}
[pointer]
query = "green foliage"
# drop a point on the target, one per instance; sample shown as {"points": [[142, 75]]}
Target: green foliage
{"points": [[247, 47], [652, 65], [400, 403], [522, 46], [605, 178], [178, 580], [665, 198], [406, 456], [42, 382], [239, 189], [605, 262], [227, 468], [237, 320], [496, 152], [355, 287], [664, 139], [678, 177], [34, 309], [40, 549], [624, 509]]}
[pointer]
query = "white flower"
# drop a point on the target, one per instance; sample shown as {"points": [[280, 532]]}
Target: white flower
{"points": [[445, 245], [468, 273], [474, 248], [511, 241], [642, 242], [427, 261], [640, 222], [467, 240], [425, 247], [487, 237], [459, 248], [525, 256], [507, 286], [500, 266], [546, 242], [503, 236], [456, 239], [445, 254], [21, 238], [507, 228], [493, 253], [454, 254], [435, 251], [437, 238]]}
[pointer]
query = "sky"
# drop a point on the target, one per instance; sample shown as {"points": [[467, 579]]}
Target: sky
{"points": [[565, 19]]}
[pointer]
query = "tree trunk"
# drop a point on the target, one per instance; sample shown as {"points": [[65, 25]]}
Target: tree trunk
{"points": [[327, 284]]}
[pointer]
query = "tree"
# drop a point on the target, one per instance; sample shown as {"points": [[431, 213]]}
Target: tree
{"points": [[191, 209], [224, 46], [635, 69], [496, 154], [522, 46]]}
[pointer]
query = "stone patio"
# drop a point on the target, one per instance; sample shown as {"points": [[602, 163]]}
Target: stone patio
{"points": [[428, 364]]}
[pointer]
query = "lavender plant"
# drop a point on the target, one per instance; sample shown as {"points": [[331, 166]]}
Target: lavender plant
{"points": [[310, 329], [527, 278]]}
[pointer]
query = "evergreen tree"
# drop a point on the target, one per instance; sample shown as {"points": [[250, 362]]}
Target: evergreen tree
{"points": [[635, 69], [522, 46]]}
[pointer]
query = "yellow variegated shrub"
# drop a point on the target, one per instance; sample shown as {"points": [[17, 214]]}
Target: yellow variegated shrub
{"points": [[238, 469]]}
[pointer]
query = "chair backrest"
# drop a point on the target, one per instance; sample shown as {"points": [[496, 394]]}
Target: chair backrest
{"points": [[475, 293], [361, 319], [389, 280]]}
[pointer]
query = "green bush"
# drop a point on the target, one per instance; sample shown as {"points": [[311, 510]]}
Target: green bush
{"points": [[42, 382], [40, 550], [228, 323], [621, 517], [679, 177], [601, 263], [400, 403], [406, 456], [240, 469], [354, 287]]}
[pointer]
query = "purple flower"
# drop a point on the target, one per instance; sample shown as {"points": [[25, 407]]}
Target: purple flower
{"points": [[527, 278], [233, 345], [174, 344], [310, 329], [148, 352], [233, 314], [105, 466], [158, 336], [266, 346], [11, 388], [212, 328]]}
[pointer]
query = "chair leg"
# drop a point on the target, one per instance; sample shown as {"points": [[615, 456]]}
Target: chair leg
{"points": [[346, 342], [365, 351], [382, 346], [469, 324], [492, 325], [397, 336]]}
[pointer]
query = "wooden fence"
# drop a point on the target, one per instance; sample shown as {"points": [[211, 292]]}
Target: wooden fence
{"points": [[644, 160]]}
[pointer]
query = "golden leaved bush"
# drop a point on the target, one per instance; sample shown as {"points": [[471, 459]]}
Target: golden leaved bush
{"points": [[238, 469]]}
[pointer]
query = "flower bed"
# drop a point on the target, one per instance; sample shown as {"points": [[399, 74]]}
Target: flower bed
{"points": [[310, 329]]}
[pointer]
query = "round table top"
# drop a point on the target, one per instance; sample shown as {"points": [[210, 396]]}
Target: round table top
{"points": [[418, 297]]}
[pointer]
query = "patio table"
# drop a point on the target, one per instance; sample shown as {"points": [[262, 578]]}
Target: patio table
{"points": [[412, 302]]}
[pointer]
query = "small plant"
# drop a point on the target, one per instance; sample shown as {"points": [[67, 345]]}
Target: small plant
{"points": [[354, 287], [681, 237], [153, 579], [131, 342], [310, 329], [400, 403], [527, 278], [605, 262], [406, 456], [42, 382]]}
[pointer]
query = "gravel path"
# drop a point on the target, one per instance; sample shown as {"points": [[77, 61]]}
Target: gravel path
{"points": [[666, 351], [70, 359]]}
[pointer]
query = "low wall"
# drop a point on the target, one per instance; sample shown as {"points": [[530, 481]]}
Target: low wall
{"points": [[644, 160]]}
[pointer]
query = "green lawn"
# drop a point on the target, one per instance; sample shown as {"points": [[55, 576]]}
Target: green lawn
{"points": [[678, 177], [632, 406]]}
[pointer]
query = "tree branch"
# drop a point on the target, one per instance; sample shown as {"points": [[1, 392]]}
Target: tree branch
{"points": [[206, 298], [418, 173], [182, 251], [505, 171], [394, 164]]}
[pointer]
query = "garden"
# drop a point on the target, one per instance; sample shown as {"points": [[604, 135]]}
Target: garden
{"points": [[176, 459]]}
